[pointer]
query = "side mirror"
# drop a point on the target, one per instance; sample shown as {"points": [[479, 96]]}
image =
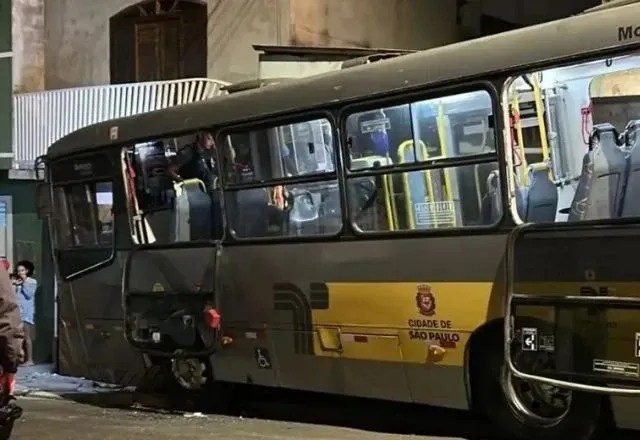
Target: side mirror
{"points": [[43, 200], [39, 166]]}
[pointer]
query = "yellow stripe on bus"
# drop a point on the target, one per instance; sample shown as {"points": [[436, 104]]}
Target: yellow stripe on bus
{"points": [[401, 322]]}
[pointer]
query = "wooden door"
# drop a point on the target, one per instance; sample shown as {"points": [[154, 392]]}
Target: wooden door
{"points": [[149, 43]]}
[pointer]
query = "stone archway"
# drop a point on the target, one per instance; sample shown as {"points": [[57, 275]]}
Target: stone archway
{"points": [[158, 40]]}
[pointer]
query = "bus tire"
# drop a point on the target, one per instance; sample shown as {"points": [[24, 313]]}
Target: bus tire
{"points": [[586, 417], [158, 377]]}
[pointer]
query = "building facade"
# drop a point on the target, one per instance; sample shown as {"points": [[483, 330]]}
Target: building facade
{"points": [[70, 43], [62, 44]]}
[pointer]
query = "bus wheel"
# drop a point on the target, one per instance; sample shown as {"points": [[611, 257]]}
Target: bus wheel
{"points": [[520, 410], [158, 377]]}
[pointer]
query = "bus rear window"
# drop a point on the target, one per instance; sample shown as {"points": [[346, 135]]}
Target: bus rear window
{"points": [[83, 214]]}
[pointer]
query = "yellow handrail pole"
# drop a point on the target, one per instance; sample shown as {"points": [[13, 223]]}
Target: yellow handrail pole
{"points": [[428, 179], [542, 125], [405, 184], [389, 202], [443, 152], [520, 139], [405, 181]]}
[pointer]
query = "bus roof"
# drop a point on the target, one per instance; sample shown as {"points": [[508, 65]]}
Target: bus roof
{"points": [[569, 37]]}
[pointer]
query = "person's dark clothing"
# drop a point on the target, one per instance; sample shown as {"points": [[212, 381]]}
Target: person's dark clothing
{"points": [[29, 331], [11, 333], [195, 163]]}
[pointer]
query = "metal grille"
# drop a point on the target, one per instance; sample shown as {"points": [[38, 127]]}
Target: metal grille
{"points": [[41, 118]]}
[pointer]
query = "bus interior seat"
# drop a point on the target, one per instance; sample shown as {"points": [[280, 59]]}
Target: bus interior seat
{"points": [[491, 205], [249, 212], [541, 198], [331, 212], [217, 216], [473, 184], [315, 209], [153, 163], [154, 191], [576, 210], [473, 181], [304, 215], [631, 202], [521, 201], [192, 212], [599, 193]]}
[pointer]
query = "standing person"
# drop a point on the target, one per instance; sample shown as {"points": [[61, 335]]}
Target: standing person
{"points": [[26, 287], [196, 161]]}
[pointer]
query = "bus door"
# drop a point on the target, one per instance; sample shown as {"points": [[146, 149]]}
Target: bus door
{"points": [[79, 200], [168, 289], [573, 306]]}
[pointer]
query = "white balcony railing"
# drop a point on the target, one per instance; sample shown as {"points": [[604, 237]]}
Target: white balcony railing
{"points": [[41, 118]]}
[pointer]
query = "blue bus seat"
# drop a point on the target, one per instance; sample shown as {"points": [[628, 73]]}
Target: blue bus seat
{"points": [[193, 219], [491, 207], [542, 195]]}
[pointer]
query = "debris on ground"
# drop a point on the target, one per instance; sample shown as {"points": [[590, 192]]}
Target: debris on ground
{"points": [[41, 381]]}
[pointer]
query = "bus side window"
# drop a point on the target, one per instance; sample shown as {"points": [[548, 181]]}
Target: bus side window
{"points": [[61, 221], [173, 189], [104, 203], [302, 150], [83, 215], [573, 140], [82, 219], [451, 128]]}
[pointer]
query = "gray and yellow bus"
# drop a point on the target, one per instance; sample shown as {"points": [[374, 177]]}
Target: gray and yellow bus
{"points": [[454, 227]]}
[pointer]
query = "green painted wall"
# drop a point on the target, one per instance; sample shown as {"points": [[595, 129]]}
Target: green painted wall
{"points": [[28, 237]]}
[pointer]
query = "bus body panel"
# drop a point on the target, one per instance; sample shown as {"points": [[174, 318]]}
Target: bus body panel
{"points": [[625, 412], [91, 336], [363, 316]]}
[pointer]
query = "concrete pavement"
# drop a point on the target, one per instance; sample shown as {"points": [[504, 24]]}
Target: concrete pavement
{"points": [[58, 408], [51, 419]]}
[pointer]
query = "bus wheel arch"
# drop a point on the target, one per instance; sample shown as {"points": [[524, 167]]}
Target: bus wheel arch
{"points": [[489, 330], [488, 395]]}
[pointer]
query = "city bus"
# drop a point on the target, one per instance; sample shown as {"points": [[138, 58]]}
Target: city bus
{"points": [[452, 227]]}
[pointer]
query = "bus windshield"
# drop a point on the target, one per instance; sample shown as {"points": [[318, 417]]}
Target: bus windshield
{"points": [[86, 211]]}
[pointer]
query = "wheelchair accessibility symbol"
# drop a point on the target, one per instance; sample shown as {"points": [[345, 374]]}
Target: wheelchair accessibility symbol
{"points": [[263, 360]]}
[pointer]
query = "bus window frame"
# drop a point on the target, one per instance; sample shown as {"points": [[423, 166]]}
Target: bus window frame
{"points": [[508, 152], [60, 252], [123, 147], [133, 234], [513, 75], [336, 175], [392, 99]]}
